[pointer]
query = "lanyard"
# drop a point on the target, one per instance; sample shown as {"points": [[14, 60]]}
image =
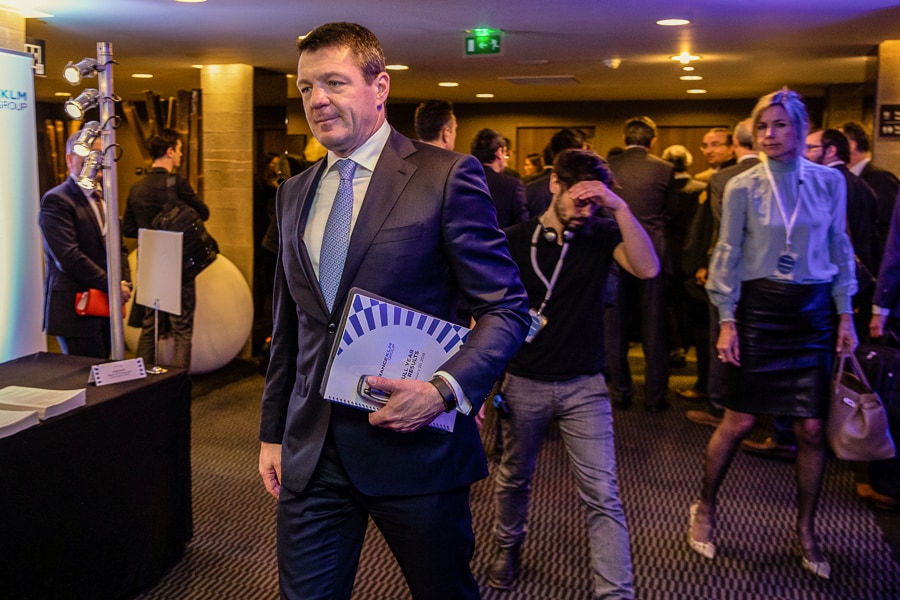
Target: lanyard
{"points": [[788, 224], [537, 269]]}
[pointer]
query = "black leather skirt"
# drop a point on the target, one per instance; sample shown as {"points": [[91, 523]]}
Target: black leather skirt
{"points": [[786, 334]]}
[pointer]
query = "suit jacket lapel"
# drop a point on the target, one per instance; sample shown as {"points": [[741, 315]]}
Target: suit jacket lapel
{"points": [[392, 173], [305, 194], [82, 203]]}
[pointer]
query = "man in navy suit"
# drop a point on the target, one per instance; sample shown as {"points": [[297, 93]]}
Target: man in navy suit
{"points": [[73, 227], [648, 187], [508, 193], [423, 234]]}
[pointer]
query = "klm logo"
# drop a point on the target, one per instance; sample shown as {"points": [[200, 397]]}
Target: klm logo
{"points": [[13, 95], [13, 100]]}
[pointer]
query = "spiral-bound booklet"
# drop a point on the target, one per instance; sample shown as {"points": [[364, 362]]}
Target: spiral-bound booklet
{"points": [[380, 337]]}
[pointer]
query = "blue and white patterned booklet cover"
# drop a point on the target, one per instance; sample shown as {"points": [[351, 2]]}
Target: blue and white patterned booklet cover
{"points": [[379, 337]]}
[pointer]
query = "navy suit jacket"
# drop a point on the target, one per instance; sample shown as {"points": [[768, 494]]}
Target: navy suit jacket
{"points": [[426, 234], [74, 260], [508, 194], [648, 186], [862, 219]]}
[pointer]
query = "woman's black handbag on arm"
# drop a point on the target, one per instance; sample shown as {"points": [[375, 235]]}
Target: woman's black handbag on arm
{"points": [[857, 422]]}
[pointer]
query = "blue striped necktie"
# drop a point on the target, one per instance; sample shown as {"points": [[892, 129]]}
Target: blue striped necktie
{"points": [[336, 238]]}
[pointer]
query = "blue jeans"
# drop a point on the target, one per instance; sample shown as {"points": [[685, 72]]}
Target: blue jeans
{"points": [[582, 410]]}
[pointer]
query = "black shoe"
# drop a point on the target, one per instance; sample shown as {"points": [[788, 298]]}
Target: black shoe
{"points": [[677, 359], [505, 569]]}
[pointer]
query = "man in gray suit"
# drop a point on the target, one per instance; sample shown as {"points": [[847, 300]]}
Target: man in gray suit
{"points": [[423, 233], [648, 187]]}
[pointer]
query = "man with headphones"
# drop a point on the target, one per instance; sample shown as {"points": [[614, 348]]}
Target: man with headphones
{"points": [[564, 256]]}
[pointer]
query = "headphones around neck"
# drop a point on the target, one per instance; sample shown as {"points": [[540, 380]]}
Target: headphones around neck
{"points": [[551, 236]]}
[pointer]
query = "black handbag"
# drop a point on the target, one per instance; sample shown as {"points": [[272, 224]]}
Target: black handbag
{"points": [[198, 249]]}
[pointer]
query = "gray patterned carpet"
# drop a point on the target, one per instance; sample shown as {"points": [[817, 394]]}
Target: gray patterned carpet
{"points": [[232, 554]]}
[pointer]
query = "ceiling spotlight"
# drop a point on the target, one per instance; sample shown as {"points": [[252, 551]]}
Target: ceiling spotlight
{"points": [[485, 95], [691, 77], [396, 67], [86, 100], [84, 68], [685, 58], [86, 138], [612, 63], [92, 164], [696, 91], [448, 84], [673, 22]]}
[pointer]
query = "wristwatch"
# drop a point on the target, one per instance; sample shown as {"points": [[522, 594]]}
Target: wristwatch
{"points": [[445, 391]]}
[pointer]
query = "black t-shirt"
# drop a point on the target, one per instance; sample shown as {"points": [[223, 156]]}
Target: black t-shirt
{"points": [[572, 342]]}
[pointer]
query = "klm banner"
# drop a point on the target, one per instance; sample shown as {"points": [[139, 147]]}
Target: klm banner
{"points": [[21, 295]]}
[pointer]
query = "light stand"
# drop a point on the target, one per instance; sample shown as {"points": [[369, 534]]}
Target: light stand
{"points": [[105, 100], [156, 370]]}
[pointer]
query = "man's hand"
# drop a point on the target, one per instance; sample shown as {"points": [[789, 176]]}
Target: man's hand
{"points": [[876, 325], [270, 467], [126, 291], [598, 193], [413, 404]]}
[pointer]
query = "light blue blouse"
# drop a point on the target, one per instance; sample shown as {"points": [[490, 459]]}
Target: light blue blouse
{"points": [[752, 234]]}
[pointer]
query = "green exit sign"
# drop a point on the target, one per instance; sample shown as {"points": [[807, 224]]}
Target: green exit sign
{"points": [[483, 42]]}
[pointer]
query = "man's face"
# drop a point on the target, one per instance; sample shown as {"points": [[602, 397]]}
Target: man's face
{"points": [[451, 133], [715, 148], [573, 214], [343, 110], [814, 150], [177, 154]]}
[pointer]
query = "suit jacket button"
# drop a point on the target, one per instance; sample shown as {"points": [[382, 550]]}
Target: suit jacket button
{"points": [[332, 328]]}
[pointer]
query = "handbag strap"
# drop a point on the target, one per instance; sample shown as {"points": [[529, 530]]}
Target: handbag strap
{"points": [[855, 368]]}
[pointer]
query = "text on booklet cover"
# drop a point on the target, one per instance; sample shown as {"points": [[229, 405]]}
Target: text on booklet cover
{"points": [[381, 338]]}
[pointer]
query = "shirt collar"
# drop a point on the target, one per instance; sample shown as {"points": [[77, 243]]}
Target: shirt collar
{"points": [[369, 152]]}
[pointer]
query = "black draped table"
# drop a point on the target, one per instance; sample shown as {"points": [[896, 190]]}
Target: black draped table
{"points": [[95, 503]]}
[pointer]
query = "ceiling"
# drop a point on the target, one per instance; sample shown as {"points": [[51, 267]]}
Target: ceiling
{"points": [[747, 48]]}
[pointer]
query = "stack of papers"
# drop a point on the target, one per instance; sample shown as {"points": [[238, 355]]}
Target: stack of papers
{"points": [[47, 403], [14, 421]]}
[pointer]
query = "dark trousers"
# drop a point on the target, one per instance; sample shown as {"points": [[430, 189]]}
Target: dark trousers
{"points": [[321, 532], [181, 327], [641, 298], [96, 346]]}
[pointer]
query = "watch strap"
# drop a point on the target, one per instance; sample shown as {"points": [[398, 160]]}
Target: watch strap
{"points": [[445, 391]]}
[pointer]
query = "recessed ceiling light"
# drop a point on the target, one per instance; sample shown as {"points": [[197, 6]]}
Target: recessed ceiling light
{"points": [[691, 77], [539, 61], [397, 67], [448, 84], [142, 76], [696, 91], [673, 22], [63, 94], [684, 58], [687, 68], [484, 95], [197, 66]]}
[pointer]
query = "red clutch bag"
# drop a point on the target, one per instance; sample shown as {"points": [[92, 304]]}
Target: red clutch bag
{"points": [[93, 303]]}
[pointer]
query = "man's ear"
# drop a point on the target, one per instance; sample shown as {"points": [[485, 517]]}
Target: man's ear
{"points": [[554, 184]]}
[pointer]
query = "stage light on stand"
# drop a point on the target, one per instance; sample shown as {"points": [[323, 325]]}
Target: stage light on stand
{"points": [[86, 137], [74, 72], [86, 100], [92, 164]]}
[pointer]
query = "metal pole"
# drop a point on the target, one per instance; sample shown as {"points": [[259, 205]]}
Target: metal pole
{"points": [[110, 196]]}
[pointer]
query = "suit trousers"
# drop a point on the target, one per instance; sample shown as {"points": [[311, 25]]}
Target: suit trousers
{"points": [[321, 532], [180, 326], [646, 296]]}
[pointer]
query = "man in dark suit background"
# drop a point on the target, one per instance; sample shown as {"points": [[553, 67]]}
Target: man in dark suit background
{"points": [[422, 233], [883, 182], [648, 187], [435, 123], [537, 191], [508, 193], [73, 229], [703, 238]]}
